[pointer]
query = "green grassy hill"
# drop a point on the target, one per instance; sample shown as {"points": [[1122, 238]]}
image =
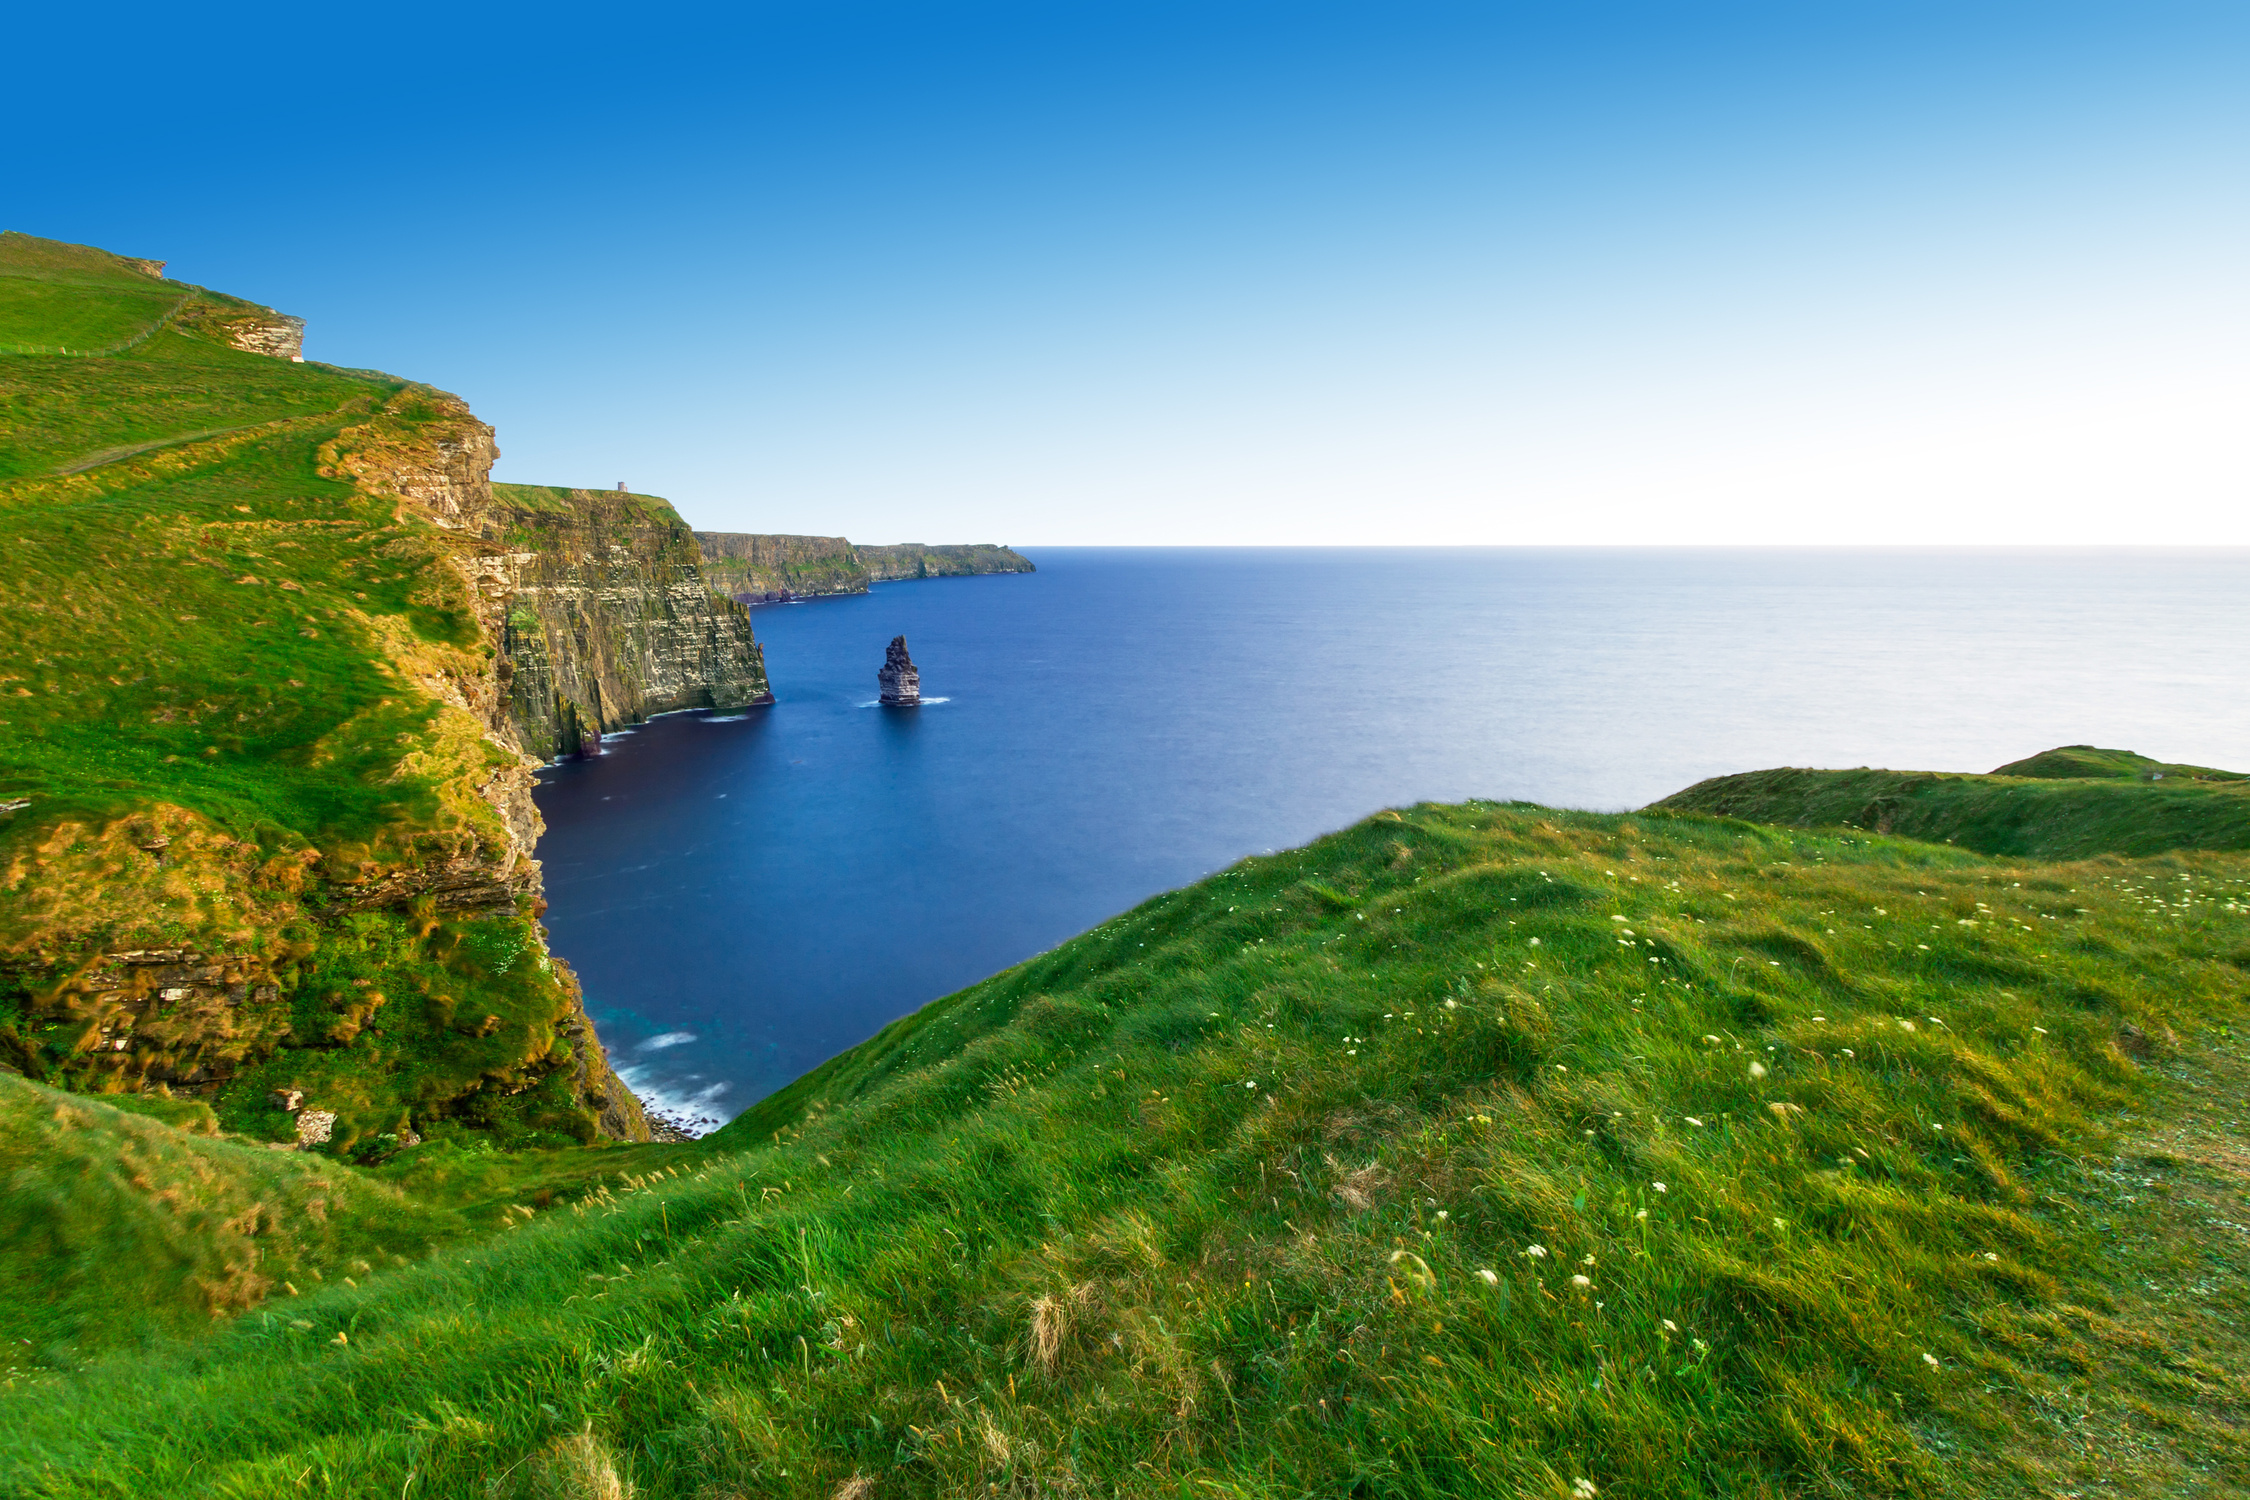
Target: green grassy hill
{"points": [[256, 829], [1813, 1133], [2061, 804], [1477, 1150]]}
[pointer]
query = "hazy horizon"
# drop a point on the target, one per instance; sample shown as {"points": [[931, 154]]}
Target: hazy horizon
{"points": [[1238, 273]]}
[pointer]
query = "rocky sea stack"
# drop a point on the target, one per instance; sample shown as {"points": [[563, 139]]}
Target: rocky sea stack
{"points": [[902, 684]]}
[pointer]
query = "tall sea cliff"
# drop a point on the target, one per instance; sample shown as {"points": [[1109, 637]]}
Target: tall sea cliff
{"points": [[607, 616], [763, 569], [280, 664]]}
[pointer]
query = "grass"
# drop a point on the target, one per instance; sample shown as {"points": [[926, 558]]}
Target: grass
{"points": [[2062, 804], [219, 732], [1281, 1184], [1473, 1151], [130, 1220]]}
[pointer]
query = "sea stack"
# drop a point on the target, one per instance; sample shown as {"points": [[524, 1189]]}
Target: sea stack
{"points": [[902, 685]]}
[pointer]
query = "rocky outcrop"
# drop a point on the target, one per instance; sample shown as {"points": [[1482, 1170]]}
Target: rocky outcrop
{"points": [[243, 325], [606, 617], [900, 682], [761, 569]]}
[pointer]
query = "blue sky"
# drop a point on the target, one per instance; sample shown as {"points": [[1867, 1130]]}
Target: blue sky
{"points": [[1228, 272]]}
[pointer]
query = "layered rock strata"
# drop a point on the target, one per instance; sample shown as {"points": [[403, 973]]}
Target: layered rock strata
{"points": [[915, 560], [900, 682], [383, 966], [605, 617], [758, 569], [761, 569]]}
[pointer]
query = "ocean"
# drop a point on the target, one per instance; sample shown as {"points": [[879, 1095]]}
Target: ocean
{"points": [[745, 895]]}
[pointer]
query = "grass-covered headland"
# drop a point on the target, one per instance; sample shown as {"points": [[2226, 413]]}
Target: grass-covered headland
{"points": [[264, 829], [1481, 1150]]}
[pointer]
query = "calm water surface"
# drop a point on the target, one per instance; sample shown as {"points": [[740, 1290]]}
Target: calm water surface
{"points": [[746, 896]]}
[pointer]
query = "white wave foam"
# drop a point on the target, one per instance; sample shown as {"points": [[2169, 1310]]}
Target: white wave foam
{"points": [[662, 1040], [693, 1110]]}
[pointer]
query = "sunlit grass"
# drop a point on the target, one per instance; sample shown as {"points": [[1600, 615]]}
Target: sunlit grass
{"points": [[1473, 1151]]}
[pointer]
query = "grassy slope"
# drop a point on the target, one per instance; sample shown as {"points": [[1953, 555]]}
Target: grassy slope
{"points": [[1047, 1237], [2062, 804], [217, 641], [127, 1219]]}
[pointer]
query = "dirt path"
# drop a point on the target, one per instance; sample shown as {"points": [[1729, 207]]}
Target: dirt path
{"points": [[112, 455]]}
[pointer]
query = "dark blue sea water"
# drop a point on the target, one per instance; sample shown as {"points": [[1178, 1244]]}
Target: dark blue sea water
{"points": [[745, 896]]}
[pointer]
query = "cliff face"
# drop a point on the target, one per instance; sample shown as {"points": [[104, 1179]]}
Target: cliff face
{"points": [[914, 560], [605, 616], [266, 828], [759, 569]]}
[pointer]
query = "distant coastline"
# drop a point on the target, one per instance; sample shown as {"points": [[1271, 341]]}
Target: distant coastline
{"points": [[755, 568]]}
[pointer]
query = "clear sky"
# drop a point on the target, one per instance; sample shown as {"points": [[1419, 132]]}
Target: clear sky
{"points": [[1137, 271]]}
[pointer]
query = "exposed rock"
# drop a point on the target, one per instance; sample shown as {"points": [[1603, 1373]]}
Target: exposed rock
{"points": [[315, 1126], [106, 1009], [606, 617], [761, 569], [901, 683], [757, 569], [915, 560], [242, 325]]}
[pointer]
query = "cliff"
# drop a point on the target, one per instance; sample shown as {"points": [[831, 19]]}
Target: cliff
{"points": [[759, 569], [914, 560], [266, 828], [775, 569], [608, 617]]}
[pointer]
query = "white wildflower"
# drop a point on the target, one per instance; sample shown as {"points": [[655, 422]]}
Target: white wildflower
{"points": [[1670, 1326], [1692, 1120], [1581, 1281], [1536, 1252], [1929, 1359], [1489, 1277], [1757, 1070], [1660, 1187]]}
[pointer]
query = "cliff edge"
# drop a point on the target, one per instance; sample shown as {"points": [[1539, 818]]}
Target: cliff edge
{"points": [[761, 569], [266, 828], [608, 618]]}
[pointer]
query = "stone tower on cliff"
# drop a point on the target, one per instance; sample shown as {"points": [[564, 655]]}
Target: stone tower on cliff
{"points": [[902, 685]]}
